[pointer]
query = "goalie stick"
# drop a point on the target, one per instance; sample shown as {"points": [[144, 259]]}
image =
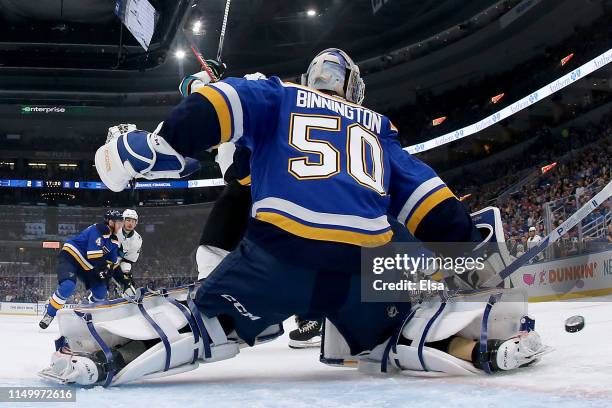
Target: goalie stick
{"points": [[551, 238]]}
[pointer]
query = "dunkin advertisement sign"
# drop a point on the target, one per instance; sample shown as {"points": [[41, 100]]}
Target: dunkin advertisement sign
{"points": [[586, 275]]}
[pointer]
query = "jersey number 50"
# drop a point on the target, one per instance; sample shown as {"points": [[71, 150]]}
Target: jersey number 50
{"points": [[328, 164]]}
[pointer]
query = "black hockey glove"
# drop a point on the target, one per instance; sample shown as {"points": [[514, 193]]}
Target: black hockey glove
{"points": [[105, 271], [125, 280], [217, 67]]}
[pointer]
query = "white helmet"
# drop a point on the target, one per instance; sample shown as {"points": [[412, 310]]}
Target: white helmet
{"points": [[333, 70], [130, 214]]}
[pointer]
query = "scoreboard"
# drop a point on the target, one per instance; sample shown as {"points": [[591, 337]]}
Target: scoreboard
{"points": [[98, 185]]}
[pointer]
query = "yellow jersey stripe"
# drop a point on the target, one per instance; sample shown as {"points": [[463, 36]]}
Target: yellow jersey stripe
{"points": [[77, 257], [426, 206], [324, 234], [222, 109], [55, 304], [95, 256], [76, 253], [245, 181]]}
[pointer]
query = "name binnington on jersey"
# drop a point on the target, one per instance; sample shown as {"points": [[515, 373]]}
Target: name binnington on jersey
{"points": [[315, 100]]}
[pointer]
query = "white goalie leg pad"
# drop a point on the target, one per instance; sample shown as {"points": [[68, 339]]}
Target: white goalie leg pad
{"points": [[435, 320], [406, 359], [110, 325], [207, 259], [489, 221], [463, 314], [151, 363], [120, 320], [493, 248]]}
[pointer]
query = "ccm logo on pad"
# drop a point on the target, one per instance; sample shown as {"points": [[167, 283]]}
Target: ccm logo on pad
{"points": [[241, 309]]}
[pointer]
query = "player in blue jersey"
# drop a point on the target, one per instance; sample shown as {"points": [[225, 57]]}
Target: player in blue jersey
{"points": [[326, 173], [227, 221], [326, 176], [88, 256]]}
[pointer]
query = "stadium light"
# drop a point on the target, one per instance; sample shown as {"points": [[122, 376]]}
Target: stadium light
{"points": [[180, 54], [197, 27], [311, 13]]}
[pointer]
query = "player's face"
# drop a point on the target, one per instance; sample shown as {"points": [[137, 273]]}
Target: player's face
{"points": [[115, 225], [129, 224]]}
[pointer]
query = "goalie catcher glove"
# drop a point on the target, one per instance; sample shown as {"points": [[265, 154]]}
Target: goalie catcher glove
{"points": [[140, 154]]}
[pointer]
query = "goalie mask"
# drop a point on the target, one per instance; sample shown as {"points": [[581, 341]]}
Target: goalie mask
{"points": [[333, 70]]}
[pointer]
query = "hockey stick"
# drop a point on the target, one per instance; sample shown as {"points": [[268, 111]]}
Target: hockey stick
{"points": [[551, 238], [205, 67], [196, 51], [223, 27]]}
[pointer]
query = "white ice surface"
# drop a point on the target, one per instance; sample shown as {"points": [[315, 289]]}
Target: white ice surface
{"points": [[577, 373]]}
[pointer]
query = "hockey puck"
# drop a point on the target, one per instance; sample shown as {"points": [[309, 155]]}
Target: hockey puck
{"points": [[574, 324]]}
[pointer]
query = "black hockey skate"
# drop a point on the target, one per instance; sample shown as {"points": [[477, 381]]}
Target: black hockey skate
{"points": [[308, 334], [45, 321]]}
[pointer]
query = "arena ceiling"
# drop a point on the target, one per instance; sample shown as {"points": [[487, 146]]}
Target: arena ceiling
{"points": [[86, 34], [78, 51]]}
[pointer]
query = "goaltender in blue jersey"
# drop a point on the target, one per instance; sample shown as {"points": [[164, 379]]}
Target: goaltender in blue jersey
{"points": [[325, 175], [307, 144]]}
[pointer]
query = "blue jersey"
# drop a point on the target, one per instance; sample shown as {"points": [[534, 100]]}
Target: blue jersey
{"points": [[93, 247], [321, 168]]}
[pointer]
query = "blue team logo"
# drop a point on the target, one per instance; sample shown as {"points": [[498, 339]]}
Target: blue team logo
{"points": [[99, 241]]}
